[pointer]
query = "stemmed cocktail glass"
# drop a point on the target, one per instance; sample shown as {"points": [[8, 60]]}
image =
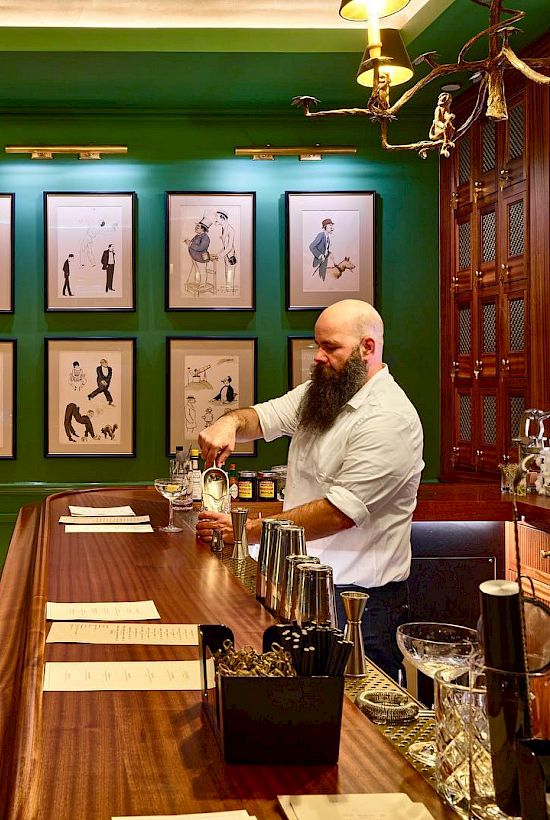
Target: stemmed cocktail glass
{"points": [[431, 647], [171, 488]]}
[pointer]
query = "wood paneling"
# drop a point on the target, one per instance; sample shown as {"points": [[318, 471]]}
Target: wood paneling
{"points": [[498, 183]]}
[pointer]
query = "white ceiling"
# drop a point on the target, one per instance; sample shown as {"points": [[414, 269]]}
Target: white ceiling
{"points": [[186, 13]]}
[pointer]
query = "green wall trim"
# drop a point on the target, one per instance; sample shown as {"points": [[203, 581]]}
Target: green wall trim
{"points": [[234, 40], [46, 488]]}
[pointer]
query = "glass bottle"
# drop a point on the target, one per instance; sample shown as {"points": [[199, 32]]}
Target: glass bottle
{"points": [[196, 475], [233, 482], [180, 471]]}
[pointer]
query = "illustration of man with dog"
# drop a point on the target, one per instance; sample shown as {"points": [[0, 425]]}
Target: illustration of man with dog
{"points": [[320, 248]]}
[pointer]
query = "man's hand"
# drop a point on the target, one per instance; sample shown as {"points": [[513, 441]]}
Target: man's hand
{"points": [[209, 521], [217, 442]]}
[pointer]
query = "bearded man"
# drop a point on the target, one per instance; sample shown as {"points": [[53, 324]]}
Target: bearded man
{"points": [[354, 466]]}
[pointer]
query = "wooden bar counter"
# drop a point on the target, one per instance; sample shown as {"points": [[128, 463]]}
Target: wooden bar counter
{"points": [[93, 755]]}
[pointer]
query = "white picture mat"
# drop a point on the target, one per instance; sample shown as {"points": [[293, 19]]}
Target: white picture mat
{"points": [[64, 391], [85, 225], [6, 251], [352, 238], [192, 401], [184, 212], [7, 399]]}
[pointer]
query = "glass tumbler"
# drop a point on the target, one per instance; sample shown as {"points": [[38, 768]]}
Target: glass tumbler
{"points": [[464, 774]]}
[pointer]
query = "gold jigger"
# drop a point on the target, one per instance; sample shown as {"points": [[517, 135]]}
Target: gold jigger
{"points": [[354, 606], [238, 521]]}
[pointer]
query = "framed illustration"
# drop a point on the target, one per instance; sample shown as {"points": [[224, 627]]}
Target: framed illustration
{"points": [[207, 377], [210, 251], [89, 251], [330, 248], [8, 392], [6, 252], [90, 397], [301, 351]]}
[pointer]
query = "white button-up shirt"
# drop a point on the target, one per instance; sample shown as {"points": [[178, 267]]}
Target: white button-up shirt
{"points": [[368, 465]]}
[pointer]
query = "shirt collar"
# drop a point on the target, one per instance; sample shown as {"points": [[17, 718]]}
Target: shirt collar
{"points": [[358, 398]]}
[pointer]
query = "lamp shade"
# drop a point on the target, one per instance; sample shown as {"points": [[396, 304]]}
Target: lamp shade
{"points": [[361, 10], [399, 70]]}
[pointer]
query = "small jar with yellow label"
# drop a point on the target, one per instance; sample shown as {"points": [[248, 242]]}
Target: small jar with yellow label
{"points": [[267, 486], [248, 485]]}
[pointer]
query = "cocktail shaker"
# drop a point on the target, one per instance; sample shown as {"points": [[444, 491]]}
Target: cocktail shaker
{"points": [[215, 490], [289, 540], [315, 595], [267, 544], [287, 603]]}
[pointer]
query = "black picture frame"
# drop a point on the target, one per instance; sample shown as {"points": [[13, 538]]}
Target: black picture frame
{"points": [[311, 282], [93, 223], [180, 380], [103, 427], [215, 284], [295, 345], [8, 419], [7, 253]]}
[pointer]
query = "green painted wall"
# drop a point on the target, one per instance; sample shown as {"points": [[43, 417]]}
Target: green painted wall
{"points": [[182, 152]]}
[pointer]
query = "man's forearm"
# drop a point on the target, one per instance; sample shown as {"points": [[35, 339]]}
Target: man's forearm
{"points": [[247, 424], [217, 442], [319, 518]]}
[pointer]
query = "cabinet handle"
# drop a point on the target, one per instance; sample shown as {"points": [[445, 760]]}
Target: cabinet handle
{"points": [[505, 364], [454, 455], [455, 367], [505, 178], [478, 457], [478, 188], [545, 553], [454, 201], [454, 282], [505, 272], [478, 367]]}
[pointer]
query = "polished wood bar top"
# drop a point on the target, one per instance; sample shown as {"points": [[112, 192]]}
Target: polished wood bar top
{"points": [[94, 755]]}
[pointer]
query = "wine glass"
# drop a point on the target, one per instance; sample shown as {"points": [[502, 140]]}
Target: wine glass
{"points": [[171, 488], [431, 647]]}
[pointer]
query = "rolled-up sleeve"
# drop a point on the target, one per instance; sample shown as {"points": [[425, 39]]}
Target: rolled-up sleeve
{"points": [[279, 417], [378, 461]]}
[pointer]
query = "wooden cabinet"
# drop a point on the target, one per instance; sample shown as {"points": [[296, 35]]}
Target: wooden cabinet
{"points": [[534, 553], [495, 261]]}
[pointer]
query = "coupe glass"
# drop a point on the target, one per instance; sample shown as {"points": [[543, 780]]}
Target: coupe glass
{"points": [[171, 488], [431, 647]]}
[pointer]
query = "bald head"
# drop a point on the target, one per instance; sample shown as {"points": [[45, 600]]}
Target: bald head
{"points": [[357, 318], [347, 328]]}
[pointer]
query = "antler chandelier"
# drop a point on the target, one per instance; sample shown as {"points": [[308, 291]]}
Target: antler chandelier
{"points": [[382, 70]]}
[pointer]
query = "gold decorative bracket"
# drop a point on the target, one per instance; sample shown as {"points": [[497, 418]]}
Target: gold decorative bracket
{"points": [[305, 153], [83, 151]]}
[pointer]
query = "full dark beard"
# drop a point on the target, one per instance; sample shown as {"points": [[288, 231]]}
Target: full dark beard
{"points": [[329, 392]]}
